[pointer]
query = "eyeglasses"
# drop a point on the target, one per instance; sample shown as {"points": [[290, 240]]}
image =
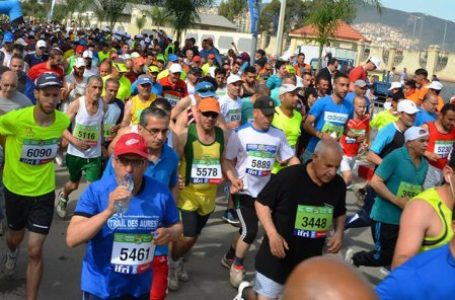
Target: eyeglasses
{"points": [[146, 85], [210, 114], [131, 162], [155, 131]]}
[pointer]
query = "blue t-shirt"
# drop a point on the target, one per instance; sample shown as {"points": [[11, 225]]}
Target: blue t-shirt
{"points": [[273, 82], [152, 207], [275, 95], [388, 139], [247, 111], [402, 179], [423, 117], [156, 89], [427, 276], [329, 117], [164, 171]]}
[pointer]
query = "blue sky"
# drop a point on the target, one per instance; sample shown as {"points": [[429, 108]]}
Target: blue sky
{"points": [[444, 9]]}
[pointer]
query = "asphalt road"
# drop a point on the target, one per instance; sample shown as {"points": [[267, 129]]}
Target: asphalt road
{"points": [[208, 279]]}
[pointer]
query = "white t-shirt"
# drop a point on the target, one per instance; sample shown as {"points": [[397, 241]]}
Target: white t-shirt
{"points": [[231, 109], [255, 151]]}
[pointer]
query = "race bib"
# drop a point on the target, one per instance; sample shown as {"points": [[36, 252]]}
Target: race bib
{"points": [[206, 171], [442, 148], [350, 140], [234, 115], [108, 133], [313, 221], [132, 253], [87, 133], [260, 159], [408, 190], [38, 152], [334, 122], [173, 99]]}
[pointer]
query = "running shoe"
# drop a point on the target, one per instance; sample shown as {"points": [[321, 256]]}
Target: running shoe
{"points": [[348, 256], [230, 216], [181, 271], [173, 278], [241, 291], [385, 270], [226, 262], [236, 275], [10, 262], [61, 206]]}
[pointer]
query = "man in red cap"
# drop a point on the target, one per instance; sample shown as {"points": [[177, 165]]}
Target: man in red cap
{"points": [[122, 218]]}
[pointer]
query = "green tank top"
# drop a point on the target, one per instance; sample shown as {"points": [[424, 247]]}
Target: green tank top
{"points": [[431, 196]]}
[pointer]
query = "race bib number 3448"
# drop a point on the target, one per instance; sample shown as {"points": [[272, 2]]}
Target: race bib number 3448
{"points": [[313, 221]]}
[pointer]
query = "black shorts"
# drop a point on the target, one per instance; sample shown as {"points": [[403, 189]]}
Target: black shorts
{"points": [[192, 222], [247, 217], [35, 213]]}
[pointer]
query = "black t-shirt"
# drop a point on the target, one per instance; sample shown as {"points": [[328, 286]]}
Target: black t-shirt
{"points": [[290, 190]]}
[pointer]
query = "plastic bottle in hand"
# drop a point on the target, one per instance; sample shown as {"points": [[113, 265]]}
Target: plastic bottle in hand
{"points": [[121, 206]]}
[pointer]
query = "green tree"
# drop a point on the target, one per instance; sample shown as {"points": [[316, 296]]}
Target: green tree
{"points": [[140, 23], [232, 9], [159, 17], [296, 13], [183, 14], [325, 14], [110, 11]]}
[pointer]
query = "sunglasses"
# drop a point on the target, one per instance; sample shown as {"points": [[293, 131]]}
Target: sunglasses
{"points": [[131, 162], [210, 114], [146, 85], [206, 89]]}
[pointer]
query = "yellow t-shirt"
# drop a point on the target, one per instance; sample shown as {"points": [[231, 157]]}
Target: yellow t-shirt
{"points": [[124, 91], [291, 129], [137, 106], [382, 119], [30, 150]]}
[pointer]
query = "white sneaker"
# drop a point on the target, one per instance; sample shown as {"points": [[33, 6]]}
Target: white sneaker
{"points": [[173, 278], [236, 275], [10, 262], [348, 256], [243, 285], [384, 271], [61, 206], [182, 273]]}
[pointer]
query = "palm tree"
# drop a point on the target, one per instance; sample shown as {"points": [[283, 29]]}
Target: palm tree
{"points": [[158, 16], [325, 14], [140, 23]]}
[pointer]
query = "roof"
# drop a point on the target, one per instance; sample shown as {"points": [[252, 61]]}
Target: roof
{"points": [[343, 31]]}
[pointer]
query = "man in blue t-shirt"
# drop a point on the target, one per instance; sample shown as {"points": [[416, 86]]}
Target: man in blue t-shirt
{"points": [[328, 116], [427, 112], [360, 89], [122, 218], [427, 276]]}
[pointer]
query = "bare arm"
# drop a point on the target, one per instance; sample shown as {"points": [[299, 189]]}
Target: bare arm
{"points": [[182, 105], [127, 114], [377, 183], [308, 126], [336, 241], [374, 158], [277, 243], [414, 223]]}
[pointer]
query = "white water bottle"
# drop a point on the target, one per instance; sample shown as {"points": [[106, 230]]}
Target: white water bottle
{"points": [[121, 206]]}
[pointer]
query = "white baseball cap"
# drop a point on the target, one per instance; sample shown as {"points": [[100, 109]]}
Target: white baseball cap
{"points": [[80, 62], [395, 85], [41, 43], [87, 54], [415, 133], [233, 79], [287, 88], [175, 68], [436, 85], [407, 106], [376, 61]]}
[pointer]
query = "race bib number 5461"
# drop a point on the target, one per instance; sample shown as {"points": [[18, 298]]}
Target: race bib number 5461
{"points": [[132, 253]]}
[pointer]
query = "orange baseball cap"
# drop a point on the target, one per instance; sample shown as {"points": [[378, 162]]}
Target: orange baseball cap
{"points": [[209, 104]]}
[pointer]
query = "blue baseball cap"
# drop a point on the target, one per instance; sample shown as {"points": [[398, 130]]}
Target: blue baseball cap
{"points": [[172, 57], [48, 80], [8, 37], [205, 89], [144, 79]]}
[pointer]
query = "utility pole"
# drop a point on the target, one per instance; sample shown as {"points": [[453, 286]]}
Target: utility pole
{"points": [[279, 34]]}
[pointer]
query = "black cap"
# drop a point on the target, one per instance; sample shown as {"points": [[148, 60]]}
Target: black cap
{"points": [[47, 80], [195, 71], [265, 104]]}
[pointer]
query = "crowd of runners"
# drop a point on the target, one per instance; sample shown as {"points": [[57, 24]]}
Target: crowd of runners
{"points": [[159, 128]]}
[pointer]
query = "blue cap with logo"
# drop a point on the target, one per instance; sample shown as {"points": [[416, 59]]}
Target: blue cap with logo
{"points": [[8, 37], [205, 89], [144, 79]]}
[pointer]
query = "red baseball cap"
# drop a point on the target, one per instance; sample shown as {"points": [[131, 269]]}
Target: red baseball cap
{"points": [[211, 55], [196, 58], [131, 143], [80, 49]]}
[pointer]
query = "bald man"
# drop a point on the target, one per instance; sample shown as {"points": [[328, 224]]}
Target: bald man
{"points": [[297, 209], [10, 98], [321, 278]]}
